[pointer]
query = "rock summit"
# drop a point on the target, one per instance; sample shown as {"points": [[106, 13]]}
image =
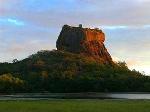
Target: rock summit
{"points": [[85, 41]]}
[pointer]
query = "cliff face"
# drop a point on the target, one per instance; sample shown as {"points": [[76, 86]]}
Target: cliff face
{"points": [[89, 42]]}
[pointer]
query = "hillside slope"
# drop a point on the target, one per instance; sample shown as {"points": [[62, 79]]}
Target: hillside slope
{"points": [[60, 71], [81, 64]]}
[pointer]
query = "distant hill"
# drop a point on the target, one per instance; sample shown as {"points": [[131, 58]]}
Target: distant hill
{"points": [[81, 64], [59, 71]]}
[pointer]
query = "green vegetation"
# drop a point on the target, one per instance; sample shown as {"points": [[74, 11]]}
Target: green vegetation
{"points": [[76, 106], [58, 71], [8, 82]]}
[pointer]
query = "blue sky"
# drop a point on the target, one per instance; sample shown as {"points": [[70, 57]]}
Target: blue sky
{"points": [[27, 26]]}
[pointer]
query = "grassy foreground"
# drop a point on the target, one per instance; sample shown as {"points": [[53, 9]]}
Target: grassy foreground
{"points": [[76, 106]]}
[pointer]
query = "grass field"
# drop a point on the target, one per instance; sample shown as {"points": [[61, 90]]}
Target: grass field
{"points": [[76, 106]]}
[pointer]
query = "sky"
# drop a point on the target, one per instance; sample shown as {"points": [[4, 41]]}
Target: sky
{"points": [[27, 26]]}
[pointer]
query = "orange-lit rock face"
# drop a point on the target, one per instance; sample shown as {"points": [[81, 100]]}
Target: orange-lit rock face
{"points": [[89, 42], [93, 34]]}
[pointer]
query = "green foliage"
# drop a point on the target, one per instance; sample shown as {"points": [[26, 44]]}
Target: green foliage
{"points": [[58, 71], [8, 83]]}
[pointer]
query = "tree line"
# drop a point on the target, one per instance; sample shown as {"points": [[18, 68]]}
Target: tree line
{"points": [[58, 71]]}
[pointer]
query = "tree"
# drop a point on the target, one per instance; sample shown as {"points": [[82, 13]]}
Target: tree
{"points": [[15, 60], [9, 83]]}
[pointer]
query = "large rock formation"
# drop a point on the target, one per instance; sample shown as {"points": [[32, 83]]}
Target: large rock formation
{"points": [[86, 41]]}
